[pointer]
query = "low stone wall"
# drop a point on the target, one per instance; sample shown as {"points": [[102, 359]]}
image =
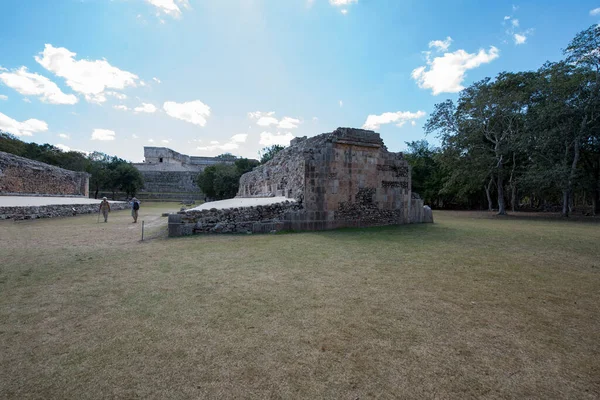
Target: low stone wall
{"points": [[55, 210], [259, 219], [24, 176], [288, 216]]}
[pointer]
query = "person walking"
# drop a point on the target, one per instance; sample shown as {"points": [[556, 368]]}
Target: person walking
{"points": [[135, 206], [105, 208]]}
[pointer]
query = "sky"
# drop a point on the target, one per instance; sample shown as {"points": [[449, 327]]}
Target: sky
{"points": [[206, 77]]}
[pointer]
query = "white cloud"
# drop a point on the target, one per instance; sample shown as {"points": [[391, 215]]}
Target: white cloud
{"points": [[413, 123], [344, 11], [146, 108], [90, 78], [103, 134], [165, 141], [445, 74], [239, 138], [374, 122], [26, 100], [155, 79], [264, 118], [441, 45], [268, 119], [519, 39], [515, 23], [25, 128], [169, 7], [232, 144], [121, 107], [195, 112], [134, 136], [288, 123], [315, 119], [506, 18], [269, 139], [64, 136], [3, 97], [340, 3], [63, 147], [120, 96], [341, 104], [31, 84], [150, 140], [595, 11]]}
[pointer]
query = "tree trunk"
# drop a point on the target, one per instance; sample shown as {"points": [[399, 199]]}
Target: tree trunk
{"points": [[565, 205], [501, 206], [488, 188], [569, 190], [96, 193]]}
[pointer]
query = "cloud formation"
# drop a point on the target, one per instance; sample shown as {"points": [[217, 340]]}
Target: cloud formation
{"points": [[441, 45], [3, 97], [374, 122], [268, 119], [194, 112], [232, 144], [25, 128], [595, 11], [445, 74], [103, 134], [89, 78], [31, 84], [269, 139], [146, 108], [169, 7]]}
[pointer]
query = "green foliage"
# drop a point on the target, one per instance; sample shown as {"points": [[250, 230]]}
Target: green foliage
{"points": [[267, 153], [107, 172], [526, 136], [221, 181]]}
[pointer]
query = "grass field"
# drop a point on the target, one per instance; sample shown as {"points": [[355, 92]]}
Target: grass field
{"points": [[472, 306]]}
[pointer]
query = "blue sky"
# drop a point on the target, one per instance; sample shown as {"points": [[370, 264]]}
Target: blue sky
{"points": [[205, 77]]}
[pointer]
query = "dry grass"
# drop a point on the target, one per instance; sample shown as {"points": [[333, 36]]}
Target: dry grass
{"points": [[469, 307]]}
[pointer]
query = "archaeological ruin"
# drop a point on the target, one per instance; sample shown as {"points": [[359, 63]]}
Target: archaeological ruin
{"points": [[22, 176], [169, 175], [25, 184], [346, 178]]}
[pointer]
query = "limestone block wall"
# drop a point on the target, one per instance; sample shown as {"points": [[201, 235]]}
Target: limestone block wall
{"points": [[343, 178], [170, 182], [259, 219], [19, 175], [55, 210]]}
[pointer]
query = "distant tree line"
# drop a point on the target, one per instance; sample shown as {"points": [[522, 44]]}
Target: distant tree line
{"points": [[109, 173], [525, 139], [222, 181]]}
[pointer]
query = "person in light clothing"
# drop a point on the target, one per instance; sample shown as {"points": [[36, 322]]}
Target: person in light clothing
{"points": [[105, 208], [135, 206]]}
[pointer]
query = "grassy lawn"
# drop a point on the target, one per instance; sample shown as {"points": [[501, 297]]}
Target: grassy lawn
{"points": [[470, 307]]}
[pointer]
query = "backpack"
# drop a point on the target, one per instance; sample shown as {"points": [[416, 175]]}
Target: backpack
{"points": [[136, 205]]}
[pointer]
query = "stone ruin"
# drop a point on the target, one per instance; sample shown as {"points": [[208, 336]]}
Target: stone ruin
{"points": [[346, 178]]}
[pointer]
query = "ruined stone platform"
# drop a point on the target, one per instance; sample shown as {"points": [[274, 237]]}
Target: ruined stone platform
{"points": [[241, 202], [33, 207]]}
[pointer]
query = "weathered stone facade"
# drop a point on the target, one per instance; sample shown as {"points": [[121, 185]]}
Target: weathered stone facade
{"points": [[55, 210], [259, 219], [171, 174], [346, 178], [343, 178], [23, 176]]}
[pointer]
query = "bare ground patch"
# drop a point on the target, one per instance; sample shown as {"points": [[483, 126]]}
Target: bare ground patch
{"points": [[464, 308]]}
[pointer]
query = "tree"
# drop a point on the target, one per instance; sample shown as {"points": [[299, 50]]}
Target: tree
{"points": [[267, 153], [221, 181], [427, 172], [128, 179]]}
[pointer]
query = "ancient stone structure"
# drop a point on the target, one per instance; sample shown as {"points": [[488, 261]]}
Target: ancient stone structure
{"points": [[169, 175], [22, 176], [55, 210], [339, 179]]}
